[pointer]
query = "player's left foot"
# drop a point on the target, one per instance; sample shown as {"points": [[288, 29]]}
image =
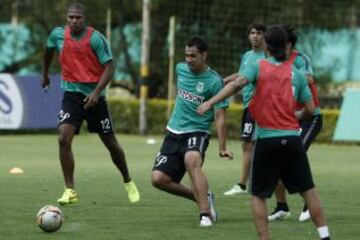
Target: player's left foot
{"points": [[305, 215], [205, 221], [68, 197], [133, 192], [211, 201], [279, 214]]}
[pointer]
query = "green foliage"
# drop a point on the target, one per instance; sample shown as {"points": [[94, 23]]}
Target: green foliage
{"points": [[329, 123], [157, 109], [223, 23], [125, 114], [233, 121]]}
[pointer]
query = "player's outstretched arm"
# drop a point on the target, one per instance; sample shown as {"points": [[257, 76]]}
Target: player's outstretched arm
{"points": [[229, 90], [230, 78]]}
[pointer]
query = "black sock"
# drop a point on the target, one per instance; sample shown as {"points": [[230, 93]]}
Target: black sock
{"points": [[242, 186], [204, 215], [305, 208], [282, 206]]}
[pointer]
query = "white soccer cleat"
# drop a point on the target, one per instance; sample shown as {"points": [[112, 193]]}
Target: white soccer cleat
{"points": [[278, 215], [304, 216], [205, 221], [211, 201], [236, 189]]}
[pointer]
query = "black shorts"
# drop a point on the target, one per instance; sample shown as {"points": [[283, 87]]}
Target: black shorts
{"points": [[310, 129], [279, 158], [72, 112], [247, 126], [170, 159]]}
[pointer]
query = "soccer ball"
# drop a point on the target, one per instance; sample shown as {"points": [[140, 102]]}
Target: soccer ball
{"points": [[49, 218]]}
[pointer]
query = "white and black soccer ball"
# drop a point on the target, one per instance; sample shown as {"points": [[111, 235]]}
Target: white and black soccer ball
{"points": [[49, 218]]}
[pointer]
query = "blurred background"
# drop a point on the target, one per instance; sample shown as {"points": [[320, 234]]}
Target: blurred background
{"points": [[328, 32]]}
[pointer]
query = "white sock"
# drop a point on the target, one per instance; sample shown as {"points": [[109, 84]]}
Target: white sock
{"points": [[323, 231]]}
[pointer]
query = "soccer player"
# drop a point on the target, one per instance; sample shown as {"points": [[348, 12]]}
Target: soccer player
{"points": [[278, 151], [184, 146], [310, 128], [256, 38], [87, 68]]}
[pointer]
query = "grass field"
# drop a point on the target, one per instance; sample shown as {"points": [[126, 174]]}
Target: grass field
{"points": [[105, 213]]}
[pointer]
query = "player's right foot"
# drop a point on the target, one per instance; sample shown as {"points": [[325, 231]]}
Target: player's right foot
{"points": [[205, 221], [68, 197], [133, 192], [236, 189], [279, 214]]}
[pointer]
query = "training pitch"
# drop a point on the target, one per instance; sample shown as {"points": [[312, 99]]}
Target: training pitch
{"points": [[103, 211]]}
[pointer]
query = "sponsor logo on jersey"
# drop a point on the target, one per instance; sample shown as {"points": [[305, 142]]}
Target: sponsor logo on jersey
{"points": [[188, 96], [200, 87], [11, 103]]}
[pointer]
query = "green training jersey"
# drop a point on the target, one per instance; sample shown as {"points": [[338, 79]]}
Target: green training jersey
{"points": [[249, 57], [300, 89], [192, 90], [100, 46], [303, 64]]}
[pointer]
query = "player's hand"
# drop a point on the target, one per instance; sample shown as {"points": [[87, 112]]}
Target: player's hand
{"points": [[90, 100], [45, 83], [226, 154], [203, 108]]}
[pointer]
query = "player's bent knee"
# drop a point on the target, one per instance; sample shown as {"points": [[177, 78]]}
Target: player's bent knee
{"points": [[158, 179]]}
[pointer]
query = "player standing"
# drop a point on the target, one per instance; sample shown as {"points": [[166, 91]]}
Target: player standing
{"points": [[279, 152], [310, 128], [86, 69], [256, 38]]}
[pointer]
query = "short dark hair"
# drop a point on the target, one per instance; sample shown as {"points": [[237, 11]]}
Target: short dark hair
{"points": [[198, 42], [77, 6], [258, 26], [291, 34], [276, 39]]}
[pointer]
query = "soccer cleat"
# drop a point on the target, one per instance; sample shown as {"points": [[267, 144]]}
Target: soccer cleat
{"points": [[305, 215], [211, 201], [279, 214], [69, 196], [133, 193], [236, 189], [205, 221]]}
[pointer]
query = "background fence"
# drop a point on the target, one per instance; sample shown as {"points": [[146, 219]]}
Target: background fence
{"points": [[328, 30]]}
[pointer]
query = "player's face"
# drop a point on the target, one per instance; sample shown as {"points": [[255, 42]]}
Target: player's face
{"points": [[75, 20], [195, 59], [256, 38]]}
